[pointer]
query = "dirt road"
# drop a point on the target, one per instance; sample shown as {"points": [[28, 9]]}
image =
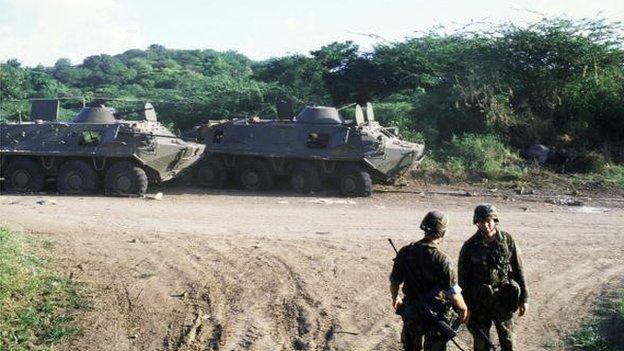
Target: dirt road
{"points": [[235, 271]]}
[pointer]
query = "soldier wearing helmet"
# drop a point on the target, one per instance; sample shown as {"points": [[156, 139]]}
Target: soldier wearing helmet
{"points": [[435, 281], [491, 276]]}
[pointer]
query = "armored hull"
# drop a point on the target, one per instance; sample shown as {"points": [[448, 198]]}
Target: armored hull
{"points": [[314, 147], [95, 152]]}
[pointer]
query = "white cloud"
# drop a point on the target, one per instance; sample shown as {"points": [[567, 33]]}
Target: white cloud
{"points": [[40, 32]]}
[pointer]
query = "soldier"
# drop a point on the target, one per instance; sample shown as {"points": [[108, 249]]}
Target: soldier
{"points": [[435, 282], [491, 276]]}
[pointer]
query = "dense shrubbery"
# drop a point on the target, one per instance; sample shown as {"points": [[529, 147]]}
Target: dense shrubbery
{"points": [[481, 154], [474, 157], [556, 82]]}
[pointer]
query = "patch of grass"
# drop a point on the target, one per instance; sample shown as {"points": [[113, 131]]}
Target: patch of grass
{"points": [[611, 176], [47, 244], [603, 332], [36, 305], [589, 338]]}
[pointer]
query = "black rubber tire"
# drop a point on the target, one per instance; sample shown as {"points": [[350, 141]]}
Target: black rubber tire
{"points": [[77, 177], [255, 175], [305, 178], [210, 173], [125, 178], [24, 175], [355, 181]]}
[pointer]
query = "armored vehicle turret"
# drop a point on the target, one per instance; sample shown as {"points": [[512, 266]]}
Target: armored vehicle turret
{"points": [[307, 150], [96, 151]]}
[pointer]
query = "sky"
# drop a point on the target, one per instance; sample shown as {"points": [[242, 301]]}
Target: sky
{"points": [[42, 31]]}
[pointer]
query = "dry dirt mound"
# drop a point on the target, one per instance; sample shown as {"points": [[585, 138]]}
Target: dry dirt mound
{"points": [[230, 271]]}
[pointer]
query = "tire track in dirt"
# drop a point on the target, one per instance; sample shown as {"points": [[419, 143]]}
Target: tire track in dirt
{"points": [[314, 325], [212, 294], [254, 293]]}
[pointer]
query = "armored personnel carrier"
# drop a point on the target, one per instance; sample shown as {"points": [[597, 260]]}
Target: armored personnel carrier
{"points": [[315, 146], [95, 151]]}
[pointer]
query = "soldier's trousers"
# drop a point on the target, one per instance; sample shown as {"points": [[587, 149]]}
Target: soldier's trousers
{"points": [[413, 335], [504, 328]]}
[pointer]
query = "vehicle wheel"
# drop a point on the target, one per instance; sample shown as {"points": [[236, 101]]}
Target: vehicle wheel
{"points": [[305, 178], [126, 178], [210, 173], [355, 181], [255, 175], [24, 175], [76, 177]]}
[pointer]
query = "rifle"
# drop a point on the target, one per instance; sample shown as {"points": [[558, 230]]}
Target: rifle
{"points": [[422, 308]]}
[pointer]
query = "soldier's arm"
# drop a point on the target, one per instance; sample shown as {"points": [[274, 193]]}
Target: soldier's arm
{"points": [[394, 292], [518, 271], [448, 279], [460, 306], [463, 271], [396, 278], [451, 288]]}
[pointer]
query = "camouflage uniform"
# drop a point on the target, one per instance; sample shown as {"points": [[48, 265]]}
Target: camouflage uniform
{"points": [[491, 276], [433, 270]]}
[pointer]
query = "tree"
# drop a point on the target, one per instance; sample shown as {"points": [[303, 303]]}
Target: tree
{"points": [[13, 63]]}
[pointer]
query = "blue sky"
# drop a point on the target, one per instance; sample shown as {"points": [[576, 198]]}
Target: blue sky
{"points": [[41, 31]]}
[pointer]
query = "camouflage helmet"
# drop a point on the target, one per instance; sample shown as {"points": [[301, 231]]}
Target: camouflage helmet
{"points": [[435, 222], [485, 211]]}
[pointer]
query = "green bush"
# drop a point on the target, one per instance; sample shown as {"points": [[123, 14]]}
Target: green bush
{"points": [[483, 155], [615, 173]]}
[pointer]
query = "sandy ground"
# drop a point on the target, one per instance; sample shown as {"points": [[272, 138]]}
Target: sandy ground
{"points": [[228, 270]]}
